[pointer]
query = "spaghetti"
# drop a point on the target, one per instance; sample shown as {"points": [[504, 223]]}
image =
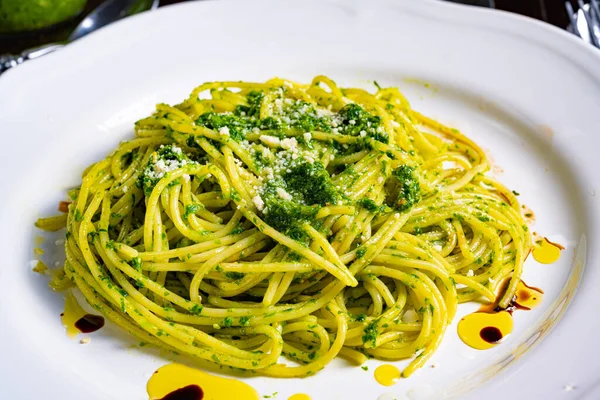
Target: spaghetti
{"points": [[256, 220]]}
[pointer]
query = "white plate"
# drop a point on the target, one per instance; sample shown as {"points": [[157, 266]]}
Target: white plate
{"points": [[527, 92]]}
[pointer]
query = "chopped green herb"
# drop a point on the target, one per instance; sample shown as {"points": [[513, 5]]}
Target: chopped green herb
{"points": [[360, 318], [371, 332], [369, 205], [136, 262], [234, 275], [196, 309], [360, 252], [191, 209], [404, 188]]}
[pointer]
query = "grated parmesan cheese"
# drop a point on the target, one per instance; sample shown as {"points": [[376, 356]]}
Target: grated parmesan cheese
{"points": [[258, 202], [289, 143], [270, 141], [283, 194]]}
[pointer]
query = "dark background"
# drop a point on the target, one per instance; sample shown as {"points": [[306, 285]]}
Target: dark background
{"points": [[551, 11]]}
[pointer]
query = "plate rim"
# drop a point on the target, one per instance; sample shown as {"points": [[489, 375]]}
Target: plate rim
{"points": [[565, 44]]}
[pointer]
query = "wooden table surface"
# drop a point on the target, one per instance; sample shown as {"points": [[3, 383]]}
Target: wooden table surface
{"points": [[551, 11]]}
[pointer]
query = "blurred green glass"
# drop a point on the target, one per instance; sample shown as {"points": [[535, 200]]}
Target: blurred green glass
{"points": [[30, 15]]}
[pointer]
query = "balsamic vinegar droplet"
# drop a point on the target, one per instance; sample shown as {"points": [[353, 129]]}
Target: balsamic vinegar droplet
{"points": [[89, 323], [190, 392], [491, 334]]}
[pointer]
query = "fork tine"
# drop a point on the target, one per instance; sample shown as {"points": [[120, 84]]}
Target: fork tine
{"points": [[590, 23], [596, 11], [571, 14]]}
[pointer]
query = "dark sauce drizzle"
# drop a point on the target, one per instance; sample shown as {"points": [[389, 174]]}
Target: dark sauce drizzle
{"points": [[491, 334], [190, 392], [89, 323], [514, 303]]}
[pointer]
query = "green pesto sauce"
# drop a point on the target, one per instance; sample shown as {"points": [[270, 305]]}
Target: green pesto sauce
{"points": [[370, 205], [360, 318], [236, 126], [252, 109], [309, 186], [311, 182], [296, 115], [236, 276], [404, 188], [169, 157], [287, 216], [357, 122], [371, 332], [191, 209], [304, 117], [26, 15]]}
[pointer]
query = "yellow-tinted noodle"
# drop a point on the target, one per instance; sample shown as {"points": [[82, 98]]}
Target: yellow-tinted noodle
{"points": [[194, 263]]}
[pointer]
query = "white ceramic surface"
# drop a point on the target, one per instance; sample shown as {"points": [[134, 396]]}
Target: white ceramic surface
{"points": [[527, 92]]}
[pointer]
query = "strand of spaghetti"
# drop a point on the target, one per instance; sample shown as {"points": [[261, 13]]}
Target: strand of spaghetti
{"points": [[315, 366], [338, 271], [210, 264]]}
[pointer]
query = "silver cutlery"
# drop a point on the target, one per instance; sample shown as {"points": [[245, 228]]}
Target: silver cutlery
{"points": [[106, 13], [585, 23]]}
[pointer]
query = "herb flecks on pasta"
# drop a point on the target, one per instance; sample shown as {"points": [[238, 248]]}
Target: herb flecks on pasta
{"points": [[256, 220]]}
